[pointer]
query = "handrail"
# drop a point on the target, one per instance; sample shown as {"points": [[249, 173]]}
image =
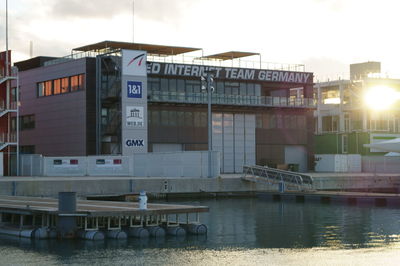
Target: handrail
{"points": [[247, 100], [277, 175]]}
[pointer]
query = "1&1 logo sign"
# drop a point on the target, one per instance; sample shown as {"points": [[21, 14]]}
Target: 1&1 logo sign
{"points": [[134, 89]]}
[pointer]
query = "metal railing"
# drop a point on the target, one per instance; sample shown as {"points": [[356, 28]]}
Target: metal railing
{"points": [[273, 176], [246, 100], [239, 63]]}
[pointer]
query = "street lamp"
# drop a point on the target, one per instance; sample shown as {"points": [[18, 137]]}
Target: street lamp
{"points": [[207, 83]]}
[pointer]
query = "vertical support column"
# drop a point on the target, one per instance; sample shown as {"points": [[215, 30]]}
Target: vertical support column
{"points": [[66, 206], [341, 113], [319, 115]]}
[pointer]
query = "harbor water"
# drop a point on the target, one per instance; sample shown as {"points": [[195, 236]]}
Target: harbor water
{"points": [[240, 232]]}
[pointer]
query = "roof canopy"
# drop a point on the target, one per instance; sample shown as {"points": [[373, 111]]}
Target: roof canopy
{"points": [[150, 48], [229, 55]]}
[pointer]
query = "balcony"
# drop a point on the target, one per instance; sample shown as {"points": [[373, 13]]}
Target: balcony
{"points": [[238, 100]]}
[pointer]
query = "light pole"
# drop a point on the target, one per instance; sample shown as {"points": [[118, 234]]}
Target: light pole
{"points": [[209, 88]]}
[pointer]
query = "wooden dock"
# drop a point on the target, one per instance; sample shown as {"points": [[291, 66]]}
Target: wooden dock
{"points": [[42, 218]]}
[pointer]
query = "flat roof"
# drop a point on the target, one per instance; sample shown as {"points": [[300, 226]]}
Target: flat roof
{"points": [[228, 55], [150, 48]]}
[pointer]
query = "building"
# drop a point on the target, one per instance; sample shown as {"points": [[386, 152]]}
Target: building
{"points": [[345, 121], [121, 98]]}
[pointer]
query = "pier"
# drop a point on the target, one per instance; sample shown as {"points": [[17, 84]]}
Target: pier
{"points": [[68, 217]]}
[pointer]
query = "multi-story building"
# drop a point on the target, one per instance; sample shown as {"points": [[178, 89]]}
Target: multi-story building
{"points": [[345, 121], [92, 103]]}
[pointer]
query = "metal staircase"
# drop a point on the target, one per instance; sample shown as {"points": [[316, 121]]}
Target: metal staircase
{"points": [[292, 180], [8, 138]]}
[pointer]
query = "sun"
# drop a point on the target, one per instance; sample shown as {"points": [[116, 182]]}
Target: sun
{"points": [[380, 97]]}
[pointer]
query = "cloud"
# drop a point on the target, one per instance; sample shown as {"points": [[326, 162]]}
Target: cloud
{"points": [[160, 10]]}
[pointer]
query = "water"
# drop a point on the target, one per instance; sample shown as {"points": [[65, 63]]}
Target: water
{"points": [[241, 232]]}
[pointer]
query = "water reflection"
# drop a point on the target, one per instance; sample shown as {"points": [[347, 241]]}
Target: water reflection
{"points": [[236, 228]]}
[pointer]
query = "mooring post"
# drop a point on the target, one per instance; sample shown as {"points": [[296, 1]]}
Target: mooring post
{"points": [[66, 226]]}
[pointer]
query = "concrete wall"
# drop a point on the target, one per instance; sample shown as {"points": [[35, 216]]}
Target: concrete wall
{"points": [[87, 186], [381, 164], [360, 181]]}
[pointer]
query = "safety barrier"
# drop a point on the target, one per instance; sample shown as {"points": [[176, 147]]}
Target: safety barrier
{"points": [[272, 175], [109, 166], [157, 164]]}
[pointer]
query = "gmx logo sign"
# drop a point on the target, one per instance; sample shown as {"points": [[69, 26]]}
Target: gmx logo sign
{"points": [[134, 89], [134, 63], [134, 142]]}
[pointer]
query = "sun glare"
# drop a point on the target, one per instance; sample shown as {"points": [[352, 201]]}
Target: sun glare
{"points": [[380, 97]]}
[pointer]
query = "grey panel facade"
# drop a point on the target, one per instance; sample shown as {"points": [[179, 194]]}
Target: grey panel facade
{"points": [[60, 120]]}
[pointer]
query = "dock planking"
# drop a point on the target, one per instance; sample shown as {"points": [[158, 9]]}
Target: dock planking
{"points": [[92, 208]]}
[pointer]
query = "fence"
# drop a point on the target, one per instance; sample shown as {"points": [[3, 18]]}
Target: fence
{"points": [[157, 164]]}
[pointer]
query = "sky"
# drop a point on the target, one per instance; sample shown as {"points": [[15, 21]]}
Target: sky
{"points": [[325, 35]]}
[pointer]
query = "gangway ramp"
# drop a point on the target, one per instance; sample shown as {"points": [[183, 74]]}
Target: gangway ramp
{"points": [[291, 180]]}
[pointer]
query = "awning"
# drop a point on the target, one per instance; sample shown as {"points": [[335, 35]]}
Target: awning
{"points": [[155, 49], [392, 145], [228, 55]]}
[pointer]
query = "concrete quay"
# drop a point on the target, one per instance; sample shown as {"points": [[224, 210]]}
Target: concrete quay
{"points": [[111, 186], [228, 184]]}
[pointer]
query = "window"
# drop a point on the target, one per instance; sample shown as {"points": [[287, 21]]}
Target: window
{"points": [[345, 143], [27, 149], [172, 118], [155, 117], [180, 117], [231, 88], [164, 118], [48, 90], [40, 89], [25, 122], [347, 122], [188, 119], [164, 84], [61, 85], [75, 83], [154, 84], [64, 85], [259, 122], [192, 86], [57, 86], [172, 85]]}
